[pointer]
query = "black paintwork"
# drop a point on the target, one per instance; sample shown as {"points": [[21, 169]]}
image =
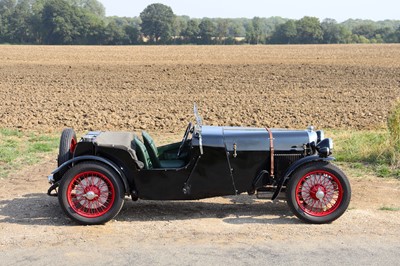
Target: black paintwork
{"points": [[232, 159]]}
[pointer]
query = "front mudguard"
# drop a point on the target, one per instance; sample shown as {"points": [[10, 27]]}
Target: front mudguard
{"points": [[293, 167], [54, 178]]}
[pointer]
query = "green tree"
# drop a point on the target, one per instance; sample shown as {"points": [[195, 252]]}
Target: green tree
{"points": [[59, 22], [385, 34], [309, 30], [132, 33], [122, 31], [331, 31], [397, 35], [179, 25], [236, 29], [270, 24], [366, 30], [7, 8], [222, 30], [285, 33], [258, 33], [157, 22], [249, 33], [114, 34], [192, 31], [345, 34], [2, 29], [207, 31], [91, 28], [20, 23], [36, 20], [94, 7]]}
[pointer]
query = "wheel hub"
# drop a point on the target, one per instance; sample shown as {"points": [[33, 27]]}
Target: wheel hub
{"points": [[90, 195], [317, 192], [92, 192], [320, 194]]}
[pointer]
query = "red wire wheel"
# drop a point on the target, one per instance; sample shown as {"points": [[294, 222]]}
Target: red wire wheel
{"points": [[91, 194], [318, 192]]}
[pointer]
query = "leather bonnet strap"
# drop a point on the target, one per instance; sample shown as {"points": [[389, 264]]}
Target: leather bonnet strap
{"points": [[271, 148]]}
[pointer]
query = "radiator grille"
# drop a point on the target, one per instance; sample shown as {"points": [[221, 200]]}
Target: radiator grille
{"points": [[291, 157], [284, 160]]}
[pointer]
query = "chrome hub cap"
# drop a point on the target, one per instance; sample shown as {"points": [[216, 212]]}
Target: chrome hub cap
{"points": [[320, 194], [90, 195]]}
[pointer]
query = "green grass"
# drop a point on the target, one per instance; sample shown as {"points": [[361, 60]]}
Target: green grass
{"points": [[378, 150], [393, 209], [366, 151], [10, 132], [19, 149]]}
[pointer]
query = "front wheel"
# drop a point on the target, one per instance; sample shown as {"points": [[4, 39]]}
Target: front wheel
{"points": [[318, 193], [91, 193]]}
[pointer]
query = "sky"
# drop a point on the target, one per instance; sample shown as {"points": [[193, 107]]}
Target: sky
{"points": [[294, 9]]}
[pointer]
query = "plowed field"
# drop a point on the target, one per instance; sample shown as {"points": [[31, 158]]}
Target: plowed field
{"points": [[131, 88]]}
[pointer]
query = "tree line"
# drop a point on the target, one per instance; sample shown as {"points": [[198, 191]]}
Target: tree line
{"points": [[84, 22]]}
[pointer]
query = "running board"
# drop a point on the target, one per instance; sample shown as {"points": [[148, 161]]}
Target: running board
{"points": [[267, 194]]}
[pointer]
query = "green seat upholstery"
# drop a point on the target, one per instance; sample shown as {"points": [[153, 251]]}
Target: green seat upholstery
{"points": [[172, 163], [151, 149], [153, 153], [142, 154]]}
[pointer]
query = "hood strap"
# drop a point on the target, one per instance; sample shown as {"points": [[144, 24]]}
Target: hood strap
{"points": [[271, 149]]}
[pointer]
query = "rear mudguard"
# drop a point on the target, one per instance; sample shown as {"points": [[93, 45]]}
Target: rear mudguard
{"points": [[295, 166], [111, 164]]}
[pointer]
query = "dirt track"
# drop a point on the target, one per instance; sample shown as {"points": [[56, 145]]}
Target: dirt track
{"points": [[220, 231], [129, 88]]}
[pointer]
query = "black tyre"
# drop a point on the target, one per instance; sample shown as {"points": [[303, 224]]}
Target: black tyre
{"points": [[67, 146], [91, 193], [318, 193]]}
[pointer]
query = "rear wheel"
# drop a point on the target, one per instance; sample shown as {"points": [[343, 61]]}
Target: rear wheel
{"points": [[67, 146], [318, 193], [91, 193]]}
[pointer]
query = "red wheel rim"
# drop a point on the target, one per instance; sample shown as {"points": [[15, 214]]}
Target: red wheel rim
{"points": [[319, 193], [72, 145], [91, 194]]}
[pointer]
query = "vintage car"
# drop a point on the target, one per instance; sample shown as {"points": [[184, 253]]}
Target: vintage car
{"points": [[97, 173]]}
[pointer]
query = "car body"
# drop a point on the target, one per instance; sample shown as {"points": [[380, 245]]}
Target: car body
{"points": [[96, 173]]}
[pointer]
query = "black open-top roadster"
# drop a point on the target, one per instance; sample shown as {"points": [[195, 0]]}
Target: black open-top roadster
{"points": [[96, 173]]}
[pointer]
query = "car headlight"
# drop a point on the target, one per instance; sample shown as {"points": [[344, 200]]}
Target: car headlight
{"points": [[325, 147]]}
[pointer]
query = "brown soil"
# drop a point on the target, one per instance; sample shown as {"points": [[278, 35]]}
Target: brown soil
{"points": [[131, 88]]}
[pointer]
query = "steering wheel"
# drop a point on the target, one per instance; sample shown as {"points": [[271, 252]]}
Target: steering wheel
{"points": [[185, 136]]}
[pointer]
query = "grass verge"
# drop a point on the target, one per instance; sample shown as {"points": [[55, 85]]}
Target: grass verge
{"points": [[18, 149], [392, 209], [366, 151]]}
